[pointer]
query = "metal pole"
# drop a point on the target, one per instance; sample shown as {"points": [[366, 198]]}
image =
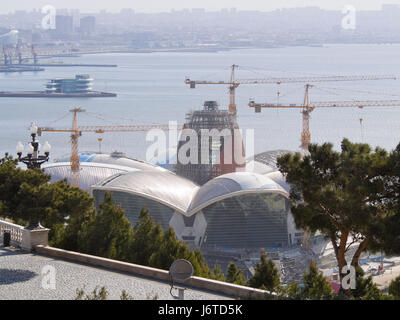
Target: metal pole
{"points": [[181, 294]]}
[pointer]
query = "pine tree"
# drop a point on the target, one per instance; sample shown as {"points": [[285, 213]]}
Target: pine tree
{"points": [[266, 274], [316, 287], [110, 233], [217, 273], [235, 275], [365, 289], [394, 288], [147, 238], [347, 194], [170, 249]]}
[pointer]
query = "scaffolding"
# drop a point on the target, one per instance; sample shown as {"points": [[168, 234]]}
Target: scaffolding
{"points": [[205, 120]]}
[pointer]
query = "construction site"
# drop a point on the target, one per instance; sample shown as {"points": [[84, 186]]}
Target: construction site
{"points": [[227, 210]]}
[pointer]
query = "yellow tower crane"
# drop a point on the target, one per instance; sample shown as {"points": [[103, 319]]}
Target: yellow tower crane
{"points": [[307, 107], [76, 132], [234, 83]]}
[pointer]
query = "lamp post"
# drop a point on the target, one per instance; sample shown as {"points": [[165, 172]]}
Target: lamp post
{"points": [[33, 159]]}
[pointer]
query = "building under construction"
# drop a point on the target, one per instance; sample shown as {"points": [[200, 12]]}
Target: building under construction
{"points": [[220, 147]]}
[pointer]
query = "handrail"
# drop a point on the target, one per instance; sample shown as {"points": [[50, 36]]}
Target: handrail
{"points": [[16, 232]]}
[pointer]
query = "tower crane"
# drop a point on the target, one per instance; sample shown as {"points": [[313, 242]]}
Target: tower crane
{"points": [[76, 132], [234, 83], [307, 107]]}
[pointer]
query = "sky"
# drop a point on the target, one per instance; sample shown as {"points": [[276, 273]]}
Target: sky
{"points": [[148, 6]]}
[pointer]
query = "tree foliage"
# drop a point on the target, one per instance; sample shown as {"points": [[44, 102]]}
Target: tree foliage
{"points": [[217, 273], [147, 238], [316, 287], [235, 275], [109, 234], [394, 288], [28, 195], [266, 274], [342, 195]]}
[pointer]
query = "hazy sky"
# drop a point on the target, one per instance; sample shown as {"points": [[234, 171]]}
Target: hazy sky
{"points": [[7, 6]]}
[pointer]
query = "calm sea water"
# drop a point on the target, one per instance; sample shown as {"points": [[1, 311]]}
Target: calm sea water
{"points": [[151, 89]]}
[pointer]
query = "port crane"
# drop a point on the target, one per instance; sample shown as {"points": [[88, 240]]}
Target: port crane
{"points": [[76, 132], [307, 107], [234, 83]]}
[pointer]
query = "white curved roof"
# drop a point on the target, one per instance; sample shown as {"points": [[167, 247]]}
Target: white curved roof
{"points": [[279, 179], [161, 186], [258, 167], [114, 158], [185, 196], [232, 184], [90, 173], [270, 157]]}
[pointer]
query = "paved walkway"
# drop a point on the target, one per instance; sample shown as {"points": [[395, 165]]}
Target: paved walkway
{"points": [[21, 278]]}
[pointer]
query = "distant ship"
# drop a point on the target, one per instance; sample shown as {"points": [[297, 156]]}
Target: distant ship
{"points": [[82, 83], [80, 86]]}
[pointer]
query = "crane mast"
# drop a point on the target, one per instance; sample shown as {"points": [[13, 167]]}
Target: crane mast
{"points": [[305, 133], [74, 148]]}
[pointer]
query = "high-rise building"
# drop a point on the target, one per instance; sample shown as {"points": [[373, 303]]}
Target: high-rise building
{"points": [[88, 25], [64, 25]]}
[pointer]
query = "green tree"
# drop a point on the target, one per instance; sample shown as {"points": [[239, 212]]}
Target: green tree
{"points": [[109, 234], [217, 273], [340, 194], [292, 291], [387, 234], [153, 247], [266, 274], [316, 287], [235, 275], [147, 237], [14, 184], [27, 196], [77, 208], [171, 249], [394, 288]]}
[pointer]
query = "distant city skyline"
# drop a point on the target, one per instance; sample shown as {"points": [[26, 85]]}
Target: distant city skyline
{"points": [[153, 6]]}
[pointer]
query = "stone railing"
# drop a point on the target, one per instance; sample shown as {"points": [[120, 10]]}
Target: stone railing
{"points": [[16, 232], [24, 238]]}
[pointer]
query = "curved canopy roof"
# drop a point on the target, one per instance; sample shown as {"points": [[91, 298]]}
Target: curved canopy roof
{"points": [[269, 158], [279, 179], [232, 184], [90, 173], [115, 158], [162, 186]]}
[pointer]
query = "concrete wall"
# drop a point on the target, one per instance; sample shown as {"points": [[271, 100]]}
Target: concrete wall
{"points": [[225, 288]]}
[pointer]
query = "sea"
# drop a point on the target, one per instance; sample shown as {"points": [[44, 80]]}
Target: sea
{"points": [[151, 89]]}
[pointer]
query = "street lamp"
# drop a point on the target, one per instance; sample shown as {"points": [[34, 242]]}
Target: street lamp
{"points": [[33, 159]]}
